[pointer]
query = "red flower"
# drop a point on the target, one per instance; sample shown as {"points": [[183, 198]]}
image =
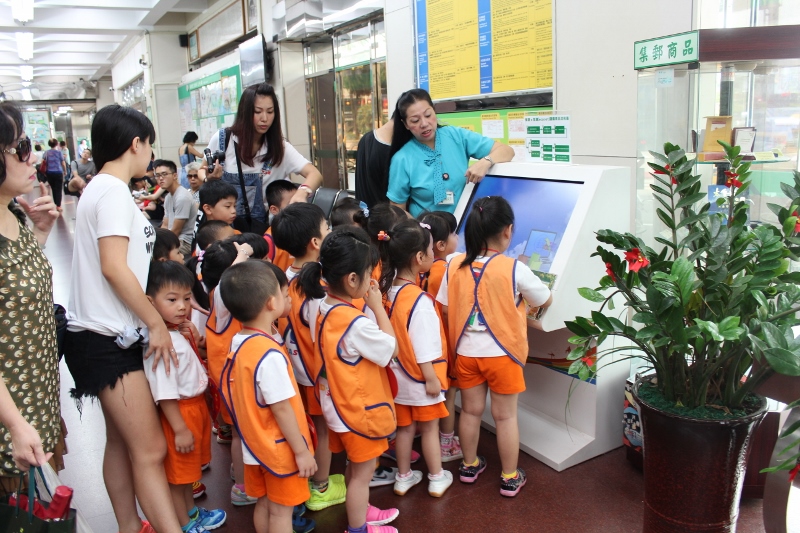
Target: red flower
{"points": [[674, 181], [667, 168], [588, 359], [610, 273], [797, 224], [793, 472], [732, 181], [636, 260]]}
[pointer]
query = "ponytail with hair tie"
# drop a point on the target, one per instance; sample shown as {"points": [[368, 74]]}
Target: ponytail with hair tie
{"points": [[383, 236]]}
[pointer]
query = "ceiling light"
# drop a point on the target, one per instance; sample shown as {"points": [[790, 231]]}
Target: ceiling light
{"points": [[24, 45], [26, 72], [26, 95], [22, 10], [64, 108]]}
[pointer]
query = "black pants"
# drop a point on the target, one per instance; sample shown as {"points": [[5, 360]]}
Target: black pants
{"points": [[56, 181]]}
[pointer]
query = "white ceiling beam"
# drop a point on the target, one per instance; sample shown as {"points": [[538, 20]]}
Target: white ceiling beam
{"points": [[40, 47], [161, 8], [90, 20], [191, 6], [127, 5], [57, 58]]}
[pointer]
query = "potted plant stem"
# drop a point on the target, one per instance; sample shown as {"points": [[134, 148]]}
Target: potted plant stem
{"points": [[713, 304]]}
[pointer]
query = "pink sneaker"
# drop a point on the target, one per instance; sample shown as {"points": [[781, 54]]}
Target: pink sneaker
{"points": [[451, 450], [381, 529], [378, 517]]}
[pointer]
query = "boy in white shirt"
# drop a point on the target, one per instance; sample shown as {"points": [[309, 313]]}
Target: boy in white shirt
{"points": [[180, 397]]}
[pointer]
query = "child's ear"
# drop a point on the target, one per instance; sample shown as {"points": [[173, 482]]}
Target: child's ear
{"points": [[206, 209], [272, 303], [508, 231], [274, 210], [150, 299], [440, 246], [162, 259]]}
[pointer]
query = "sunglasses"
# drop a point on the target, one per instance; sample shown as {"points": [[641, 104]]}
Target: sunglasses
{"points": [[190, 176], [23, 150]]}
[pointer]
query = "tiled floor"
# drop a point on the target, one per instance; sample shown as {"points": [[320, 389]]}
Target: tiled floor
{"points": [[603, 495]]}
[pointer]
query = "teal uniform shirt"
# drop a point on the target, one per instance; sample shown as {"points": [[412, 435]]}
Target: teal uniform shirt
{"points": [[422, 177]]}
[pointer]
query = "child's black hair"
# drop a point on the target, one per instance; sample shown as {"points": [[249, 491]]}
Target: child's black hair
{"points": [[381, 217], [214, 191], [280, 275], [208, 231], [246, 287], [405, 240], [166, 241], [275, 190], [440, 225], [216, 258], [343, 212], [489, 217], [294, 227], [167, 274], [344, 251], [256, 242]]}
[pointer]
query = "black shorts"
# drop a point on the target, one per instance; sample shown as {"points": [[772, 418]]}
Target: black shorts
{"points": [[96, 362]]}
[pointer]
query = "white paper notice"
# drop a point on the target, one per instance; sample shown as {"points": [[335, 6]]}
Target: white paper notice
{"points": [[494, 129], [516, 128], [665, 77]]}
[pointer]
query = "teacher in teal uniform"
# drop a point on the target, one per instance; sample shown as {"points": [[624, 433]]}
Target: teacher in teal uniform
{"points": [[430, 163]]}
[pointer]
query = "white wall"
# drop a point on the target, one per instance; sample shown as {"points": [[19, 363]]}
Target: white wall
{"points": [[401, 61], [104, 95], [126, 66], [167, 64]]}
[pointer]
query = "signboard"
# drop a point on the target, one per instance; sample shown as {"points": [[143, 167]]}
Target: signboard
{"points": [[209, 103], [477, 47], [548, 138], [669, 50]]}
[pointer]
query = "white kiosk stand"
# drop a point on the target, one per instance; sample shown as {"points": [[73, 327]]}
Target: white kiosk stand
{"points": [[558, 208]]}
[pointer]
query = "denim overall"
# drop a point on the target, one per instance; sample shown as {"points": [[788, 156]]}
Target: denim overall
{"points": [[252, 185]]}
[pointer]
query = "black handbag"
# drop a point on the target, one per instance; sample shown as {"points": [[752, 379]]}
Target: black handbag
{"points": [[246, 224], [15, 519], [61, 327]]}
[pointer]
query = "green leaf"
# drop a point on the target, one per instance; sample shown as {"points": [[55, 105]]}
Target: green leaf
{"points": [[644, 318], [665, 218], [789, 225], [611, 305], [602, 322], [575, 366], [675, 156], [577, 339], [577, 353], [584, 373], [577, 329], [660, 157], [684, 277], [648, 332], [774, 336], [777, 209], [660, 190], [729, 328], [783, 361], [790, 191], [684, 167], [711, 328], [591, 294], [691, 200]]}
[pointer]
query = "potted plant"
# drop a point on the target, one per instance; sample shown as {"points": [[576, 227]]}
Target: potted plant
{"points": [[713, 305]]}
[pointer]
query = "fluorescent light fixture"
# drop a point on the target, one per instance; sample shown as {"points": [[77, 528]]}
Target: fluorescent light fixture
{"points": [[24, 45], [26, 72], [26, 95], [22, 10], [64, 108]]}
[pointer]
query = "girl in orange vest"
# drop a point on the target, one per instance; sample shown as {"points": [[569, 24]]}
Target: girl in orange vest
{"points": [[421, 364], [353, 385], [484, 295], [445, 240], [382, 217]]}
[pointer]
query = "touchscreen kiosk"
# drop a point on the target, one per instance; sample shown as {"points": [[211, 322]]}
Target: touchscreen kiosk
{"points": [[557, 211]]}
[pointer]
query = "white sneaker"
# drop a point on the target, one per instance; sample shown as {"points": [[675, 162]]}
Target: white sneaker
{"points": [[383, 475], [239, 498], [437, 487], [401, 486]]}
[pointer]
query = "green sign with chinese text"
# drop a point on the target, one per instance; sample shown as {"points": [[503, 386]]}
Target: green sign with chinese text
{"points": [[669, 50]]}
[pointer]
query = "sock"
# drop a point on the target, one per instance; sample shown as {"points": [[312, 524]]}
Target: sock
{"points": [[240, 486], [509, 476], [445, 438], [440, 475], [319, 487], [404, 476], [194, 513], [362, 529], [476, 462]]}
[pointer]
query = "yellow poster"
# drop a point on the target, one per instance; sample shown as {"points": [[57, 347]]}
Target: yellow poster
{"points": [[522, 45], [453, 47]]}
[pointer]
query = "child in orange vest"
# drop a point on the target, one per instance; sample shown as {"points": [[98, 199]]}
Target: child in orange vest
{"points": [[483, 296], [263, 398], [300, 229], [352, 384], [445, 240], [180, 397], [421, 364], [277, 194]]}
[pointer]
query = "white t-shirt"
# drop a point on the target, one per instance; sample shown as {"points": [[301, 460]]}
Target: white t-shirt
{"points": [[187, 380], [476, 340], [363, 339], [310, 311], [293, 162], [223, 315], [180, 205], [273, 383], [106, 209], [426, 339]]}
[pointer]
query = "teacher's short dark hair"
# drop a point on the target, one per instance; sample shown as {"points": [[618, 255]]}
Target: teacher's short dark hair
{"points": [[113, 130]]}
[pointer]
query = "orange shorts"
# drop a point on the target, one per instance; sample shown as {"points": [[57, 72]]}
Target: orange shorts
{"points": [[289, 491], [419, 413], [184, 468], [359, 449], [310, 401], [503, 375]]}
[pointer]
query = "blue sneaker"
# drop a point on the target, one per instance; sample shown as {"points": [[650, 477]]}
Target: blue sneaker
{"points": [[299, 510], [301, 524], [193, 527], [211, 519]]}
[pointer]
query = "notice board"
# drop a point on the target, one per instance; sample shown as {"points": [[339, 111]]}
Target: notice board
{"points": [[210, 103], [479, 47]]}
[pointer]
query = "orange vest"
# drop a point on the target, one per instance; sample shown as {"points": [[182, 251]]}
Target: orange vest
{"points": [[493, 296], [256, 424], [431, 281], [280, 258], [400, 312], [300, 331], [359, 390], [376, 272], [218, 341]]}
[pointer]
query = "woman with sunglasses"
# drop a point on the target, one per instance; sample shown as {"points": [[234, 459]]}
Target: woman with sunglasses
{"points": [[195, 180], [30, 411]]}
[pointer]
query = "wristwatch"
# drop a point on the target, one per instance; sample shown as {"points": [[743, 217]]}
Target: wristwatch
{"points": [[489, 159]]}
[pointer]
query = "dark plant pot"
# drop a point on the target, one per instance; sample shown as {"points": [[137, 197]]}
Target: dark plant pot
{"points": [[693, 470]]}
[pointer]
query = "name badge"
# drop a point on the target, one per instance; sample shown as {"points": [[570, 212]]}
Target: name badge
{"points": [[449, 199]]}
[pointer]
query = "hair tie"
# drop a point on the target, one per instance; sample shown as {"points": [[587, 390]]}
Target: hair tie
{"points": [[480, 208], [364, 209], [383, 236], [200, 255], [426, 226]]}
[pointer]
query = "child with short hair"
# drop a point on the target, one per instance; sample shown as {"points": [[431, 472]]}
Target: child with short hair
{"points": [[264, 399], [343, 212], [354, 350], [421, 364], [167, 246], [278, 194], [217, 202], [180, 397], [300, 229], [483, 296], [445, 240]]}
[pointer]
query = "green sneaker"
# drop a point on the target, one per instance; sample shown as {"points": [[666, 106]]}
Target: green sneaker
{"points": [[336, 493]]}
